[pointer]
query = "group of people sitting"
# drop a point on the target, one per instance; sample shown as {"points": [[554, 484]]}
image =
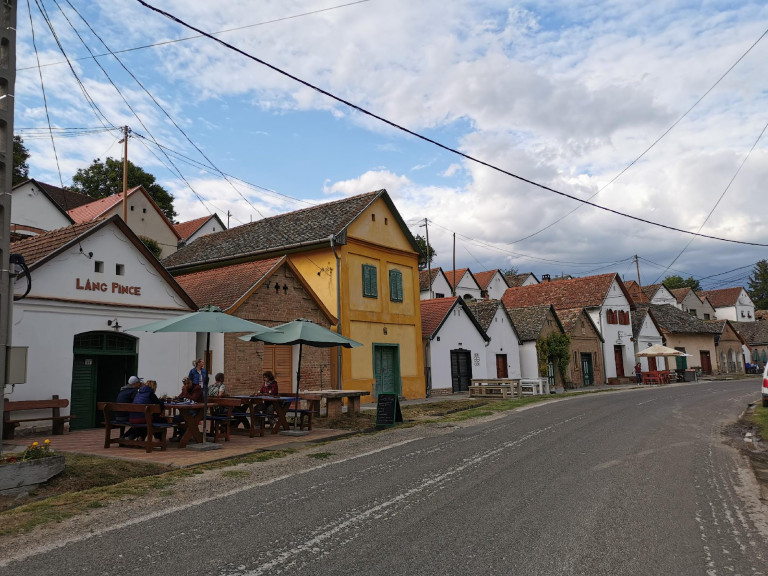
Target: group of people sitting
{"points": [[137, 391]]}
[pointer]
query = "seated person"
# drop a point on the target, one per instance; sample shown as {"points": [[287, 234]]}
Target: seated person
{"points": [[146, 394], [191, 392], [268, 388], [217, 390], [126, 395]]}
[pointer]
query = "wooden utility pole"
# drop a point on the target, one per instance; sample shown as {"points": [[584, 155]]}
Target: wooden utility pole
{"points": [[453, 291], [429, 264], [637, 265], [125, 174]]}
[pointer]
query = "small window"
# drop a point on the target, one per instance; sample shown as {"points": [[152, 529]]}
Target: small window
{"points": [[98, 266], [144, 210], [120, 269], [370, 285], [706, 316], [131, 207], [395, 286], [439, 295], [373, 217]]}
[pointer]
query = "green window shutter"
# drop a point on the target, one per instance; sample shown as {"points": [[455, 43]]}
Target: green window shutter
{"points": [[370, 286], [395, 286]]}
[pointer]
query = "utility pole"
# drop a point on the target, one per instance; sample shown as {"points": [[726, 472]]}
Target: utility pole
{"points": [[125, 173], [228, 215], [453, 291], [7, 91], [429, 260], [637, 265]]}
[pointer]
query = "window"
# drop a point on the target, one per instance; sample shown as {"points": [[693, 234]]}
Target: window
{"points": [[623, 317], [99, 266], [439, 295], [395, 286], [610, 317], [706, 316], [120, 269], [131, 207], [370, 285]]}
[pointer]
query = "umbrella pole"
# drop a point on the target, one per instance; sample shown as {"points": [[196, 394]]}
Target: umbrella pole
{"points": [[205, 386], [298, 383]]}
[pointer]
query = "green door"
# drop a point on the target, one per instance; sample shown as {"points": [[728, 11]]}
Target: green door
{"points": [[386, 369], [587, 370], [83, 404]]}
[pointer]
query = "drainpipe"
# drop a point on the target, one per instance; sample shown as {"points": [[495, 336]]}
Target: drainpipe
{"points": [[338, 311]]}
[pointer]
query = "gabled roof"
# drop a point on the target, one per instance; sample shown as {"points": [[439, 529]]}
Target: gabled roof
{"points": [[636, 291], [761, 314], [435, 311], [681, 293], [302, 229], [529, 320], [100, 207], [722, 297], [720, 325], [425, 280], [570, 317], [483, 279], [188, 228], [587, 292], [638, 317], [673, 320], [516, 280], [485, 311], [754, 333], [229, 286], [42, 248], [63, 199], [459, 274]]}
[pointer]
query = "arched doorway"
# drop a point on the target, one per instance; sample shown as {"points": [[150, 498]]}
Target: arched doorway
{"points": [[103, 362]]}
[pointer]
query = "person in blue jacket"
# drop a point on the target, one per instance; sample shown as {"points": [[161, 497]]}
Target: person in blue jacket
{"points": [[199, 375], [145, 395]]}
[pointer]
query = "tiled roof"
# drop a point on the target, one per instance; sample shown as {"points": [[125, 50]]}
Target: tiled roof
{"points": [[306, 227], [186, 229], [528, 321], [587, 292], [96, 208], [38, 247], [516, 280], [224, 286], [722, 297], [638, 317], [433, 313], [673, 320], [569, 317], [458, 274], [755, 333], [680, 293], [761, 314], [484, 278], [65, 199], [424, 279], [484, 311], [636, 291]]}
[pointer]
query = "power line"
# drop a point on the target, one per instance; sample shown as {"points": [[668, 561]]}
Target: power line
{"points": [[430, 140], [167, 42]]}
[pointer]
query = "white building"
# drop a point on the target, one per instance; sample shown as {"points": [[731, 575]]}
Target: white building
{"points": [[436, 287], [191, 230], [464, 283], [492, 284], [454, 345], [89, 284], [502, 355]]}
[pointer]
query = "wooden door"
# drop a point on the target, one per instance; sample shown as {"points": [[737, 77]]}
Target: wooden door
{"points": [[619, 359], [706, 362], [652, 364], [278, 359], [83, 404], [386, 370], [461, 370], [587, 370], [501, 366]]}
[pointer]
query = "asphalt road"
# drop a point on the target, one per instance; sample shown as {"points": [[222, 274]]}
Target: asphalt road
{"points": [[637, 482]]}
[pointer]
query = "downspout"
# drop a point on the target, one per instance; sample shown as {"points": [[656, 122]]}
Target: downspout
{"points": [[338, 312]]}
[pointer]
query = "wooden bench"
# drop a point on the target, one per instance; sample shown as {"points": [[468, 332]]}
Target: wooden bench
{"points": [[112, 423], [55, 404], [333, 401], [493, 390], [303, 416]]}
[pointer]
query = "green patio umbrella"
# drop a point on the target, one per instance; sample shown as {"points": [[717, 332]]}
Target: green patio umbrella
{"points": [[302, 331], [208, 319]]}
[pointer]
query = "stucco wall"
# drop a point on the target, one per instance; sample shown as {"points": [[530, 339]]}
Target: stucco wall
{"points": [[503, 341], [457, 332]]}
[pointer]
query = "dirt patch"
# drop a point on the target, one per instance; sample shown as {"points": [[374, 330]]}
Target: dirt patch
{"points": [[744, 435]]}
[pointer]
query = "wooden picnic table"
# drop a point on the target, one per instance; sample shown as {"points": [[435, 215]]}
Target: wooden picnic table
{"points": [[334, 400], [280, 404], [192, 415]]}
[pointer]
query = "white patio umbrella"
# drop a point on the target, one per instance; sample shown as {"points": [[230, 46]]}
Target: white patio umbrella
{"points": [[659, 350], [208, 319]]}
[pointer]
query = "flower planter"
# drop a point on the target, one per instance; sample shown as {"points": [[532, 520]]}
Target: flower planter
{"points": [[18, 476]]}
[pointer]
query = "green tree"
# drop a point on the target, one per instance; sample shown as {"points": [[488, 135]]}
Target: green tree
{"points": [[102, 179], [511, 271], [675, 281], [152, 246], [20, 157], [757, 285], [423, 260], [555, 348]]}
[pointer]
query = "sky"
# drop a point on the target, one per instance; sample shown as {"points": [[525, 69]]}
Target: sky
{"points": [[652, 111]]}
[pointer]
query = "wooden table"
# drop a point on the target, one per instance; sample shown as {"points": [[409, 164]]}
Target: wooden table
{"points": [[192, 415], [280, 404], [334, 400]]}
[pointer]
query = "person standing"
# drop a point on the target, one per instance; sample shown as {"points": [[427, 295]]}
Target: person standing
{"points": [[198, 375], [639, 373]]}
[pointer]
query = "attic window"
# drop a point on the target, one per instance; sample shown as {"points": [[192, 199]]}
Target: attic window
{"points": [[98, 266], [386, 221], [120, 269], [373, 217], [131, 207], [144, 210]]}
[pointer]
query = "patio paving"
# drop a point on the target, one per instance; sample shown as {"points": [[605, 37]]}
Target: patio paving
{"points": [[91, 442]]}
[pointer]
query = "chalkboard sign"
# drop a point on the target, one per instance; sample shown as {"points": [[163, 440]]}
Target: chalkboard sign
{"points": [[388, 410]]}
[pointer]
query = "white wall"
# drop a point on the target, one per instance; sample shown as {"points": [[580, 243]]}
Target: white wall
{"points": [[467, 286], [529, 364], [211, 226], [31, 207], [503, 341], [439, 286], [615, 300], [664, 296], [649, 336], [145, 220], [458, 331]]}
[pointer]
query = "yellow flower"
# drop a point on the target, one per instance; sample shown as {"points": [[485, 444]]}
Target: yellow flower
{"points": [[34, 444], [47, 441]]}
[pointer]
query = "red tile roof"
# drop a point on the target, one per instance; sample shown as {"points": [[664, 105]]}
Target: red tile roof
{"points": [[680, 293], [587, 292], [636, 291], [433, 312], [186, 229], [96, 208], [37, 247], [224, 286], [484, 278], [459, 274], [722, 297], [424, 278]]}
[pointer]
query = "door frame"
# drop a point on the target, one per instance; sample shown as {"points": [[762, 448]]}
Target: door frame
{"points": [[586, 358], [464, 352], [398, 379]]}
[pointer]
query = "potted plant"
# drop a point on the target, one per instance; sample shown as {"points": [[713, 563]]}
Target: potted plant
{"points": [[37, 464]]}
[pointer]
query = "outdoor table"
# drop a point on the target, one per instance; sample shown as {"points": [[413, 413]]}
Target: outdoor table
{"points": [[333, 400], [192, 415], [280, 404]]}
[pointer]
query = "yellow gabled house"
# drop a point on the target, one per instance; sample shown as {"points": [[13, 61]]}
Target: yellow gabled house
{"points": [[359, 257]]}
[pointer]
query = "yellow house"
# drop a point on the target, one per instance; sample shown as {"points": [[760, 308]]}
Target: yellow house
{"points": [[359, 257]]}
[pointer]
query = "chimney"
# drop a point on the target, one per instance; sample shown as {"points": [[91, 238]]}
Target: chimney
{"points": [[545, 278]]}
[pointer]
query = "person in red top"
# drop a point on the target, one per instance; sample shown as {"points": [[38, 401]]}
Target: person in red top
{"points": [[189, 391], [269, 387]]}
